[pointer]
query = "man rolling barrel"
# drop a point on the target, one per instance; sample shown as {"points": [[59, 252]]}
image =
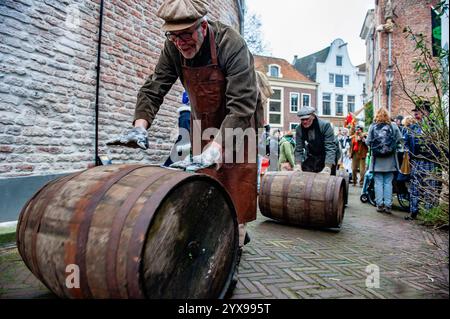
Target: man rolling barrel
{"points": [[217, 70], [317, 148]]}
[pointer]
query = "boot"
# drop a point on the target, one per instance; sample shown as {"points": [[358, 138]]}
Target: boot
{"points": [[246, 239], [234, 280]]}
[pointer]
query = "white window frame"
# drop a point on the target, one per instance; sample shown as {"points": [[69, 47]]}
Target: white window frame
{"points": [[298, 101], [270, 66], [379, 96], [335, 82], [331, 109], [342, 60], [348, 103], [336, 105], [303, 94], [281, 108], [346, 79], [290, 125], [331, 75]]}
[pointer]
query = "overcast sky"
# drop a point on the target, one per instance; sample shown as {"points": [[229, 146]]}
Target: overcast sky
{"points": [[303, 27]]}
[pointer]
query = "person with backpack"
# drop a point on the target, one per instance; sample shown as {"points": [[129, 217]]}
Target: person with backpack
{"points": [[422, 187], [383, 139]]}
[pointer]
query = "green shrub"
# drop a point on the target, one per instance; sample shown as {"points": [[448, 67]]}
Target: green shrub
{"points": [[436, 216]]}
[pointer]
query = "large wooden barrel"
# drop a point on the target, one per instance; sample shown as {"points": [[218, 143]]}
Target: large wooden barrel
{"points": [[342, 173], [302, 198], [133, 231]]}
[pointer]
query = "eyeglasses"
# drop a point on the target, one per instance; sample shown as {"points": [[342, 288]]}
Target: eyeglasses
{"points": [[185, 36], [306, 120]]}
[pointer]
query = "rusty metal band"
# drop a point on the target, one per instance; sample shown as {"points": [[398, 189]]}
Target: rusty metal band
{"points": [[307, 198], [268, 190], [23, 220], [260, 193], [339, 206], [116, 230], [331, 184], [286, 184], [140, 229], [83, 214], [47, 195]]}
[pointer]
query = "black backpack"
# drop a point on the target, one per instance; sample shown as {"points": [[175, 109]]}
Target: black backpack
{"points": [[383, 142]]}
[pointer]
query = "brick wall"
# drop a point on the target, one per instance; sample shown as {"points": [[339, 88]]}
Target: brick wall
{"points": [[416, 15], [48, 56], [292, 117]]}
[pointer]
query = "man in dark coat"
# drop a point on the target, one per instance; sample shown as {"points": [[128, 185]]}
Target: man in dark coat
{"points": [[317, 148]]}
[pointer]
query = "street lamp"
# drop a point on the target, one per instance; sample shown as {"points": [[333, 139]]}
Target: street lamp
{"points": [[389, 78]]}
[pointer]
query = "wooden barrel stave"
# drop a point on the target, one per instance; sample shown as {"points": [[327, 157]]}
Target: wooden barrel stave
{"points": [[57, 236], [187, 234]]}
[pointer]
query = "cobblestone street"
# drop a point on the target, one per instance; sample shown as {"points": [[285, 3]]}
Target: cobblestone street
{"points": [[289, 262]]}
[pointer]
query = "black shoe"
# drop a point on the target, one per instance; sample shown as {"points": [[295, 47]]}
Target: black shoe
{"points": [[234, 280], [246, 239], [380, 209], [388, 210], [410, 217]]}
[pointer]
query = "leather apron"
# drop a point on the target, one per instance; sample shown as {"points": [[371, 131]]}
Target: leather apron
{"points": [[206, 89]]}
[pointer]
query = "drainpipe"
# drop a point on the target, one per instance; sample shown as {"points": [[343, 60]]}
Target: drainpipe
{"points": [[97, 88], [389, 73], [389, 76], [241, 13]]}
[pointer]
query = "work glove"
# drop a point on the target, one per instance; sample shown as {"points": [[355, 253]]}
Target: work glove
{"points": [[297, 168], [134, 137], [326, 170], [211, 156], [183, 148]]}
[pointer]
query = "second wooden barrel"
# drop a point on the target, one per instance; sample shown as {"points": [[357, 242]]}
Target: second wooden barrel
{"points": [[302, 198], [131, 231]]}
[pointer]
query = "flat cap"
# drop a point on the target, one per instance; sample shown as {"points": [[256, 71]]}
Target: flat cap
{"points": [[422, 106], [305, 112], [181, 14]]}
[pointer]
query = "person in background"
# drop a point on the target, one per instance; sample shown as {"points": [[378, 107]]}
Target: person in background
{"points": [[274, 145], [420, 151], [265, 91], [407, 122], [345, 143], [287, 146], [316, 145], [383, 139], [358, 153], [398, 120], [182, 145]]}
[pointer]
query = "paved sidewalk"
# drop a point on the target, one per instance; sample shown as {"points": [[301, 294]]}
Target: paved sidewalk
{"points": [[290, 262]]}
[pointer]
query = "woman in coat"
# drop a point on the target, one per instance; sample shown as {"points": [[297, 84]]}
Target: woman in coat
{"points": [[383, 139]]}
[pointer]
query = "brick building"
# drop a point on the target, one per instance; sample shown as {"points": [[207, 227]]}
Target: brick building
{"points": [[292, 90], [390, 55], [340, 83], [48, 84]]}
